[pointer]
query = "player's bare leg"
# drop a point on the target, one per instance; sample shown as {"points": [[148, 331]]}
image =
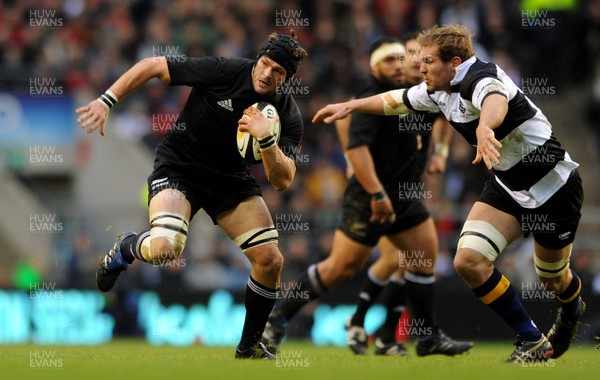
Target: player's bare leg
{"points": [[169, 213], [485, 234], [347, 258], [250, 226]]}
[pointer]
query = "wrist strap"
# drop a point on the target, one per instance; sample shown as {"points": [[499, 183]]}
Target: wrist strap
{"points": [[109, 99], [442, 149], [379, 196], [267, 142]]}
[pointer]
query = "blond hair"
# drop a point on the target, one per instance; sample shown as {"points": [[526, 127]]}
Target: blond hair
{"points": [[452, 41]]}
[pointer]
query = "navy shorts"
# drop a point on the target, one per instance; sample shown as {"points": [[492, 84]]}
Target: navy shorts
{"points": [[553, 224]]}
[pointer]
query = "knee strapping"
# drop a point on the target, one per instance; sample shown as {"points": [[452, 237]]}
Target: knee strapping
{"points": [[551, 270], [170, 226], [482, 237], [257, 237]]}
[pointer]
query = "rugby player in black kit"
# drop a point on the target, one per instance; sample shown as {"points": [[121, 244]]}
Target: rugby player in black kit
{"points": [[197, 166]]}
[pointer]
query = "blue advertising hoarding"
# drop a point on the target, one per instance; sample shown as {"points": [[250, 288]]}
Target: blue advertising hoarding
{"points": [[37, 133]]}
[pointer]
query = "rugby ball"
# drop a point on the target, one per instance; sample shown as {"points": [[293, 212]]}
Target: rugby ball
{"points": [[246, 143]]}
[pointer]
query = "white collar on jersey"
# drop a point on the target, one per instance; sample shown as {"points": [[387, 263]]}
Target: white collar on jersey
{"points": [[461, 70]]}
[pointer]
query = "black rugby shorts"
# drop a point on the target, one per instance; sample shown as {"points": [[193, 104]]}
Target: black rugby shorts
{"points": [[553, 224], [357, 211], [213, 190]]}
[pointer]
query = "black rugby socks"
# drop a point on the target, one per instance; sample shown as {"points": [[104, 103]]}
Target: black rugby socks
{"points": [[309, 284], [131, 247], [420, 292], [394, 300], [569, 300], [259, 301], [369, 292]]}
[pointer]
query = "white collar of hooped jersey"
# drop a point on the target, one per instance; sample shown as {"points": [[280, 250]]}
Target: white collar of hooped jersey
{"points": [[461, 70]]}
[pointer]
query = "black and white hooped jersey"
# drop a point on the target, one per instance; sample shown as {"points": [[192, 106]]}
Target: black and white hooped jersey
{"points": [[533, 165]]}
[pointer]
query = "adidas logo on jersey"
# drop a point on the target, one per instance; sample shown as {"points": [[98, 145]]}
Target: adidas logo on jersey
{"points": [[226, 104]]}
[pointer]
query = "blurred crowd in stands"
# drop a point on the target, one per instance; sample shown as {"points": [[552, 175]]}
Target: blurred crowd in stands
{"points": [[87, 44]]}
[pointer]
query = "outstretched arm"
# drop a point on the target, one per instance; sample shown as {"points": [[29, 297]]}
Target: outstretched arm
{"points": [[93, 115], [493, 111], [441, 136], [387, 103]]}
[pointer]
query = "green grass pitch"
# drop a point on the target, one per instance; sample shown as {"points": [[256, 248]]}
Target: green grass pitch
{"points": [[136, 359]]}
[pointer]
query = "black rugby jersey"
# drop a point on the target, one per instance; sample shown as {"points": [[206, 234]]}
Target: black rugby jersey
{"points": [[533, 165], [392, 140], [205, 137]]}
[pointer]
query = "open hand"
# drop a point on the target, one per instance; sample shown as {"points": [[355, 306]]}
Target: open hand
{"points": [[93, 116], [332, 112], [487, 147]]}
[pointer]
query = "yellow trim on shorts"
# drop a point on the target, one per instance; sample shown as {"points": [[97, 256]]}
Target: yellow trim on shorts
{"points": [[499, 290]]}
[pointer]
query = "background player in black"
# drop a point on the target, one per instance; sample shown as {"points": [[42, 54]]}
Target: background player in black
{"points": [[387, 273], [383, 158], [197, 166]]}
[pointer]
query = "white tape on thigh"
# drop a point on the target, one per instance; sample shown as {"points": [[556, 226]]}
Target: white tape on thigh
{"points": [[170, 226], [257, 237], [551, 270], [482, 237]]}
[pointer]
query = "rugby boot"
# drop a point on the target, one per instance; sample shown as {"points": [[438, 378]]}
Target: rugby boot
{"points": [[356, 338], [529, 351], [390, 349], [562, 333], [257, 352], [112, 265], [273, 333], [441, 343]]}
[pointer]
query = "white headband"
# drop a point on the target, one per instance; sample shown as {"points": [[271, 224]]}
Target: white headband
{"points": [[385, 50]]}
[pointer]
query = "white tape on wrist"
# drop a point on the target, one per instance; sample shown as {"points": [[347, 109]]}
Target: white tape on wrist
{"points": [[267, 142], [108, 99], [441, 149]]}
